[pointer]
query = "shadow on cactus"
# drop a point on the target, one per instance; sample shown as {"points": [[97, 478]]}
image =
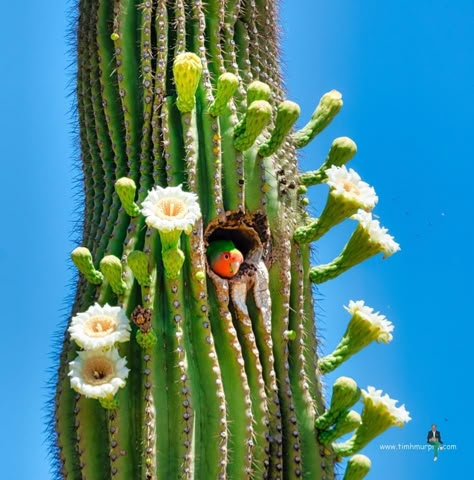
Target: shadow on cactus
{"points": [[191, 350]]}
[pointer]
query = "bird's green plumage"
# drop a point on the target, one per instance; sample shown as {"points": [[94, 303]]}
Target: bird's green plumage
{"points": [[217, 247]]}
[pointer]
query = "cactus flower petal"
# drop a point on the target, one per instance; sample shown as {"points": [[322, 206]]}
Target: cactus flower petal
{"points": [[348, 187], [373, 399], [377, 324], [100, 327], [170, 209], [377, 234], [97, 374]]}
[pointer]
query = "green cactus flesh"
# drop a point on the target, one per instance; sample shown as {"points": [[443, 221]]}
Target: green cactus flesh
{"points": [[223, 378]]}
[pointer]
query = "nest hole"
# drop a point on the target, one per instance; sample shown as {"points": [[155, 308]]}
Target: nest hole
{"points": [[244, 240], [247, 232]]}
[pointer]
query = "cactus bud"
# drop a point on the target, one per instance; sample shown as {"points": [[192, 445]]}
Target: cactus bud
{"points": [[345, 393], [111, 267], [138, 263], [126, 188], [357, 467], [327, 109], [287, 114], [257, 91], [227, 84], [187, 70], [82, 258], [258, 116]]}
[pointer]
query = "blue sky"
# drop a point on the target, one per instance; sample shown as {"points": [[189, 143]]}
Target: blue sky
{"points": [[405, 70]]}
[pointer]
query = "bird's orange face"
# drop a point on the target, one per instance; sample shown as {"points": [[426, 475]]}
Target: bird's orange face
{"points": [[228, 263]]}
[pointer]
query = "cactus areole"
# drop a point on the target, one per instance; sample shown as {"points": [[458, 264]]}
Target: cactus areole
{"points": [[169, 370]]}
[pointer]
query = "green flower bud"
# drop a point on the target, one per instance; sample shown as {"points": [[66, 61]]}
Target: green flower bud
{"points": [[82, 258], [346, 422], [173, 260], [345, 393], [111, 267], [138, 263], [287, 114], [258, 91], [126, 188], [342, 150], [257, 118], [146, 340], [357, 467], [109, 403], [227, 84], [187, 70], [327, 109]]}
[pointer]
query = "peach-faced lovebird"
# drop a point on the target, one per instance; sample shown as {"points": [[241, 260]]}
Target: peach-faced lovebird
{"points": [[224, 258]]}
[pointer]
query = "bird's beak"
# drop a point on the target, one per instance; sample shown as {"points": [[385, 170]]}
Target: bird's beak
{"points": [[234, 267]]}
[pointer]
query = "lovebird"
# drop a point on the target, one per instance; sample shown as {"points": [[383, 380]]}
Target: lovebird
{"points": [[224, 258]]}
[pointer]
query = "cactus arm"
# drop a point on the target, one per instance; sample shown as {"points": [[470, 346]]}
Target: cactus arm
{"points": [[159, 385], [172, 132], [179, 393], [101, 128], [214, 21], [232, 12], [210, 409], [180, 19], [211, 174], [310, 352], [232, 164], [253, 368], [243, 53], [91, 436], [109, 86], [161, 41], [303, 401], [260, 308], [150, 369], [126, 20], [65, 421], [253, 39], [90, 146], [240, 430], [146, 165], [279, 287]]}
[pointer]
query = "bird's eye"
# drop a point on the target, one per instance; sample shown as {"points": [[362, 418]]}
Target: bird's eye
{"points": [[226, 256]]}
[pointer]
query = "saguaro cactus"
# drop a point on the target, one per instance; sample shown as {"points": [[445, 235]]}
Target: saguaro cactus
{"points": [[191, 352]]}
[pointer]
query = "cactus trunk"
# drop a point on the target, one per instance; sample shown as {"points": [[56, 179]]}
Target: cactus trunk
{"points": [[223, 380]]}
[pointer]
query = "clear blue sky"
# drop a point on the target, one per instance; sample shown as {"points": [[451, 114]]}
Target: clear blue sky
{"points": [[405, 69]]}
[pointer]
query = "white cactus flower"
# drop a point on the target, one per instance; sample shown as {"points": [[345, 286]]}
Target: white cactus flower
{"points": [[377, 234], [373, 398], [347, 186], [170, 209], [376, 323], [100, 327], [98, 374]]}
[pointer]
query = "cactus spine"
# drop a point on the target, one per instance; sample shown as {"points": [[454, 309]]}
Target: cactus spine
{"points": [[186, 139]]}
